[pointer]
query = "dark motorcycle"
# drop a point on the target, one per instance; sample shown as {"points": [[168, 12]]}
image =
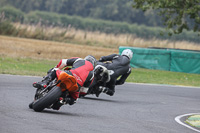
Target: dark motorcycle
{"points": [[53, 96], [102, 76]]}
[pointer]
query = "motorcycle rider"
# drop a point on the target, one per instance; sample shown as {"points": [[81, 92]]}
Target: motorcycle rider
{"points": [[119, 65], [81, 69]]}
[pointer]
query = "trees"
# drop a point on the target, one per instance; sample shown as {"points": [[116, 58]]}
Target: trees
{"points": [[114, 10], [177, 14]]}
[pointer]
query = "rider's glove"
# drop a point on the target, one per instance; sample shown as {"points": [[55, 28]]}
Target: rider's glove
{"points": [[101, 59], [50, 70]]}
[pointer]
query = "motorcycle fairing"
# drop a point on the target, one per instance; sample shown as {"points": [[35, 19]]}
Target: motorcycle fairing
{"points": [[67, 82]]}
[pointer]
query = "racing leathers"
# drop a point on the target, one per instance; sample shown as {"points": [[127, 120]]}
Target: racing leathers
{"points": [[81, 69], [117, 66]]}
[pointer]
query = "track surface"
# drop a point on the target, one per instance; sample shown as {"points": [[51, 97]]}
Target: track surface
{"points": [[135, 108]]}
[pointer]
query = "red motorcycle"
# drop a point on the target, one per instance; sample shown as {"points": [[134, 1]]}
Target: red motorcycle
{"points": [[53, 95]]}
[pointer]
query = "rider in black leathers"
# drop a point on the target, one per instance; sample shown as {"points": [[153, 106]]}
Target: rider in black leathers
{"points": [[119, 66]]}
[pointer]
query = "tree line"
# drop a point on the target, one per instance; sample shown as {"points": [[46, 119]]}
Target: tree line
{"points": [[63, 20], [113, 10]]}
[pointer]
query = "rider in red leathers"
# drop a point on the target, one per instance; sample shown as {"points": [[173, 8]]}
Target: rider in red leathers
{"points": [[81, 69]]}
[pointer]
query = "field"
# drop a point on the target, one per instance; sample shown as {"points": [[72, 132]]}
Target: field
{"points": [[37, 49], [97, 39], [34, 57]]}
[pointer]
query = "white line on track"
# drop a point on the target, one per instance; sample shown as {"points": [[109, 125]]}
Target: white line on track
{"points": [[177, 119]]}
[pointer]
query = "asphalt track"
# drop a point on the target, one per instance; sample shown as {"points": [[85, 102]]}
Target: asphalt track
{"points": [[135, 108]]}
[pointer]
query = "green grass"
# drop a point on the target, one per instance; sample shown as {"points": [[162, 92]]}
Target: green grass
{"points": [[36, 67], [25, 66], [164, 77]]}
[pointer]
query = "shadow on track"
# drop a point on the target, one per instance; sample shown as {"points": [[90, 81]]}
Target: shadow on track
{"points": [[57, 112], [104, 100], [97, 99], [67, 114]]}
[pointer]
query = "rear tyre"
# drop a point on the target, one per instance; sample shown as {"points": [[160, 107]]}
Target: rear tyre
{"points": [[45, 101]]}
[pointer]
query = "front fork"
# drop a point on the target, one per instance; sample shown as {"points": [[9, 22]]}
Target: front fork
{"points": [[40, 92]]}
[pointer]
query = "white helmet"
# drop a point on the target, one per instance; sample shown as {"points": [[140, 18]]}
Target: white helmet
{"points": [[128, 53]]}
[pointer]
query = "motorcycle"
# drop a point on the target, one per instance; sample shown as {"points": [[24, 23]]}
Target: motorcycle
{"points": [[102, 76], [53, 95]]}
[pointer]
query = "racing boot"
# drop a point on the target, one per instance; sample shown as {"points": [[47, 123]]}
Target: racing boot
{"points": [[58, 104], [43, 84], [108, 91], [98, 91]]}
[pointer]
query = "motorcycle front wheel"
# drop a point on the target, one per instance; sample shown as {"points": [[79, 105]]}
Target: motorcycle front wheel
{"points": [[48, 99]]}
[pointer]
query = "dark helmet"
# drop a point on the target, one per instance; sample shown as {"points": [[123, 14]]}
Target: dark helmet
{"points": [[91, 59]]}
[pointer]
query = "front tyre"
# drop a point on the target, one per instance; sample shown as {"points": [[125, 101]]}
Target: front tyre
{"points": [[31, 105], [45, 101]]}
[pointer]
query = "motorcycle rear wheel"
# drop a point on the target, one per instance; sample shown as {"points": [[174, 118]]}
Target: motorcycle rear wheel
{"points": [[45, 101]]}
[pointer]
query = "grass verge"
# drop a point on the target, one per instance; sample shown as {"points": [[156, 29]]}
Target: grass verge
{"points": [[164, 77], [25, 66], [38, 67]]}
